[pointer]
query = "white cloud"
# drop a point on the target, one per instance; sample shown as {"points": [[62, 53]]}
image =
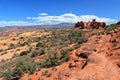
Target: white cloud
{"points": [[14, 23], [44, 18], [69, 17]]}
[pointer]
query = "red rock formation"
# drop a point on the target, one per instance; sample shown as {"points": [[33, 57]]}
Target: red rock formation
{"points": [[118, 23], [90, 24]]}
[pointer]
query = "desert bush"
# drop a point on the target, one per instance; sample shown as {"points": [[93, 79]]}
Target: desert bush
{"points": [[64, 55], [24, 53], [38, 52], [82, 39], [44, 73], [8, 75], [63, 44], [40, 44], [12, 46], [1, 74], [55, 59], [12, 74], [42, 51], [24, 43], [77, 36], [26, 65], [108, 29]]}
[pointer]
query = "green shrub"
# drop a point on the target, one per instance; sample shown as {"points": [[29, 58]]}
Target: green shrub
{"points": [[55, 59], [64, 55], [40, 44], [12, 74], [12, 46], [24, 43], [36, 39], [44, 73], [38, 52], [82, 39], [42, 51], [24, 53], [8, 75]]}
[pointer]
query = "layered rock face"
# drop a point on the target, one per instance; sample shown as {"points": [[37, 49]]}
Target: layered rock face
{"points": [[90, 24]]}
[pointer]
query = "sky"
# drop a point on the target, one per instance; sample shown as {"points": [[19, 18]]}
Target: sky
{"points": [[42, 12]]}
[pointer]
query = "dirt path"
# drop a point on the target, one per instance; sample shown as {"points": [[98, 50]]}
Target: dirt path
{"points": [[99, 68]]}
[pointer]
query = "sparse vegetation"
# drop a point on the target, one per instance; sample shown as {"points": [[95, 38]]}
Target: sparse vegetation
{"points": [[54, 49], [108, 29], [23, 65], [40, 45], [46, 73], [38, 52]]}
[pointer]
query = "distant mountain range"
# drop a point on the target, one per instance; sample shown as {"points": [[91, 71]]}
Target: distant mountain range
{"points": [[54, 25], [65, 25]]}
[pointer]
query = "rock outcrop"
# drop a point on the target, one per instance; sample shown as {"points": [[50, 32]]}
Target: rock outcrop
{"points": [[118, 23], [90, 24]]}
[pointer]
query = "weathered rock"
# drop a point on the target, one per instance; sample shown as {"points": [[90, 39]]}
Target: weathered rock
{"points": [[81, 55], [118, 23], [90, 24]]}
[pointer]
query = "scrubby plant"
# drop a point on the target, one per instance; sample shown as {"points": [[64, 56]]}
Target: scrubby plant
{"points": [[38, 52], [40, 44], [44, 73], [55, 59], [24, 43], [7, 75], [36, 39], [26, 65], [12, 46], [24, 53], [12, 74]]}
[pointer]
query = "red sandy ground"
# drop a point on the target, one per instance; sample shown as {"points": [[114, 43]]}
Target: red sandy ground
{"points": [[102, 65]]}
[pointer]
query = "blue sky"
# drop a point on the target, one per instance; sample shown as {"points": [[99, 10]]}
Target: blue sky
{"points": [[36, 12]]}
